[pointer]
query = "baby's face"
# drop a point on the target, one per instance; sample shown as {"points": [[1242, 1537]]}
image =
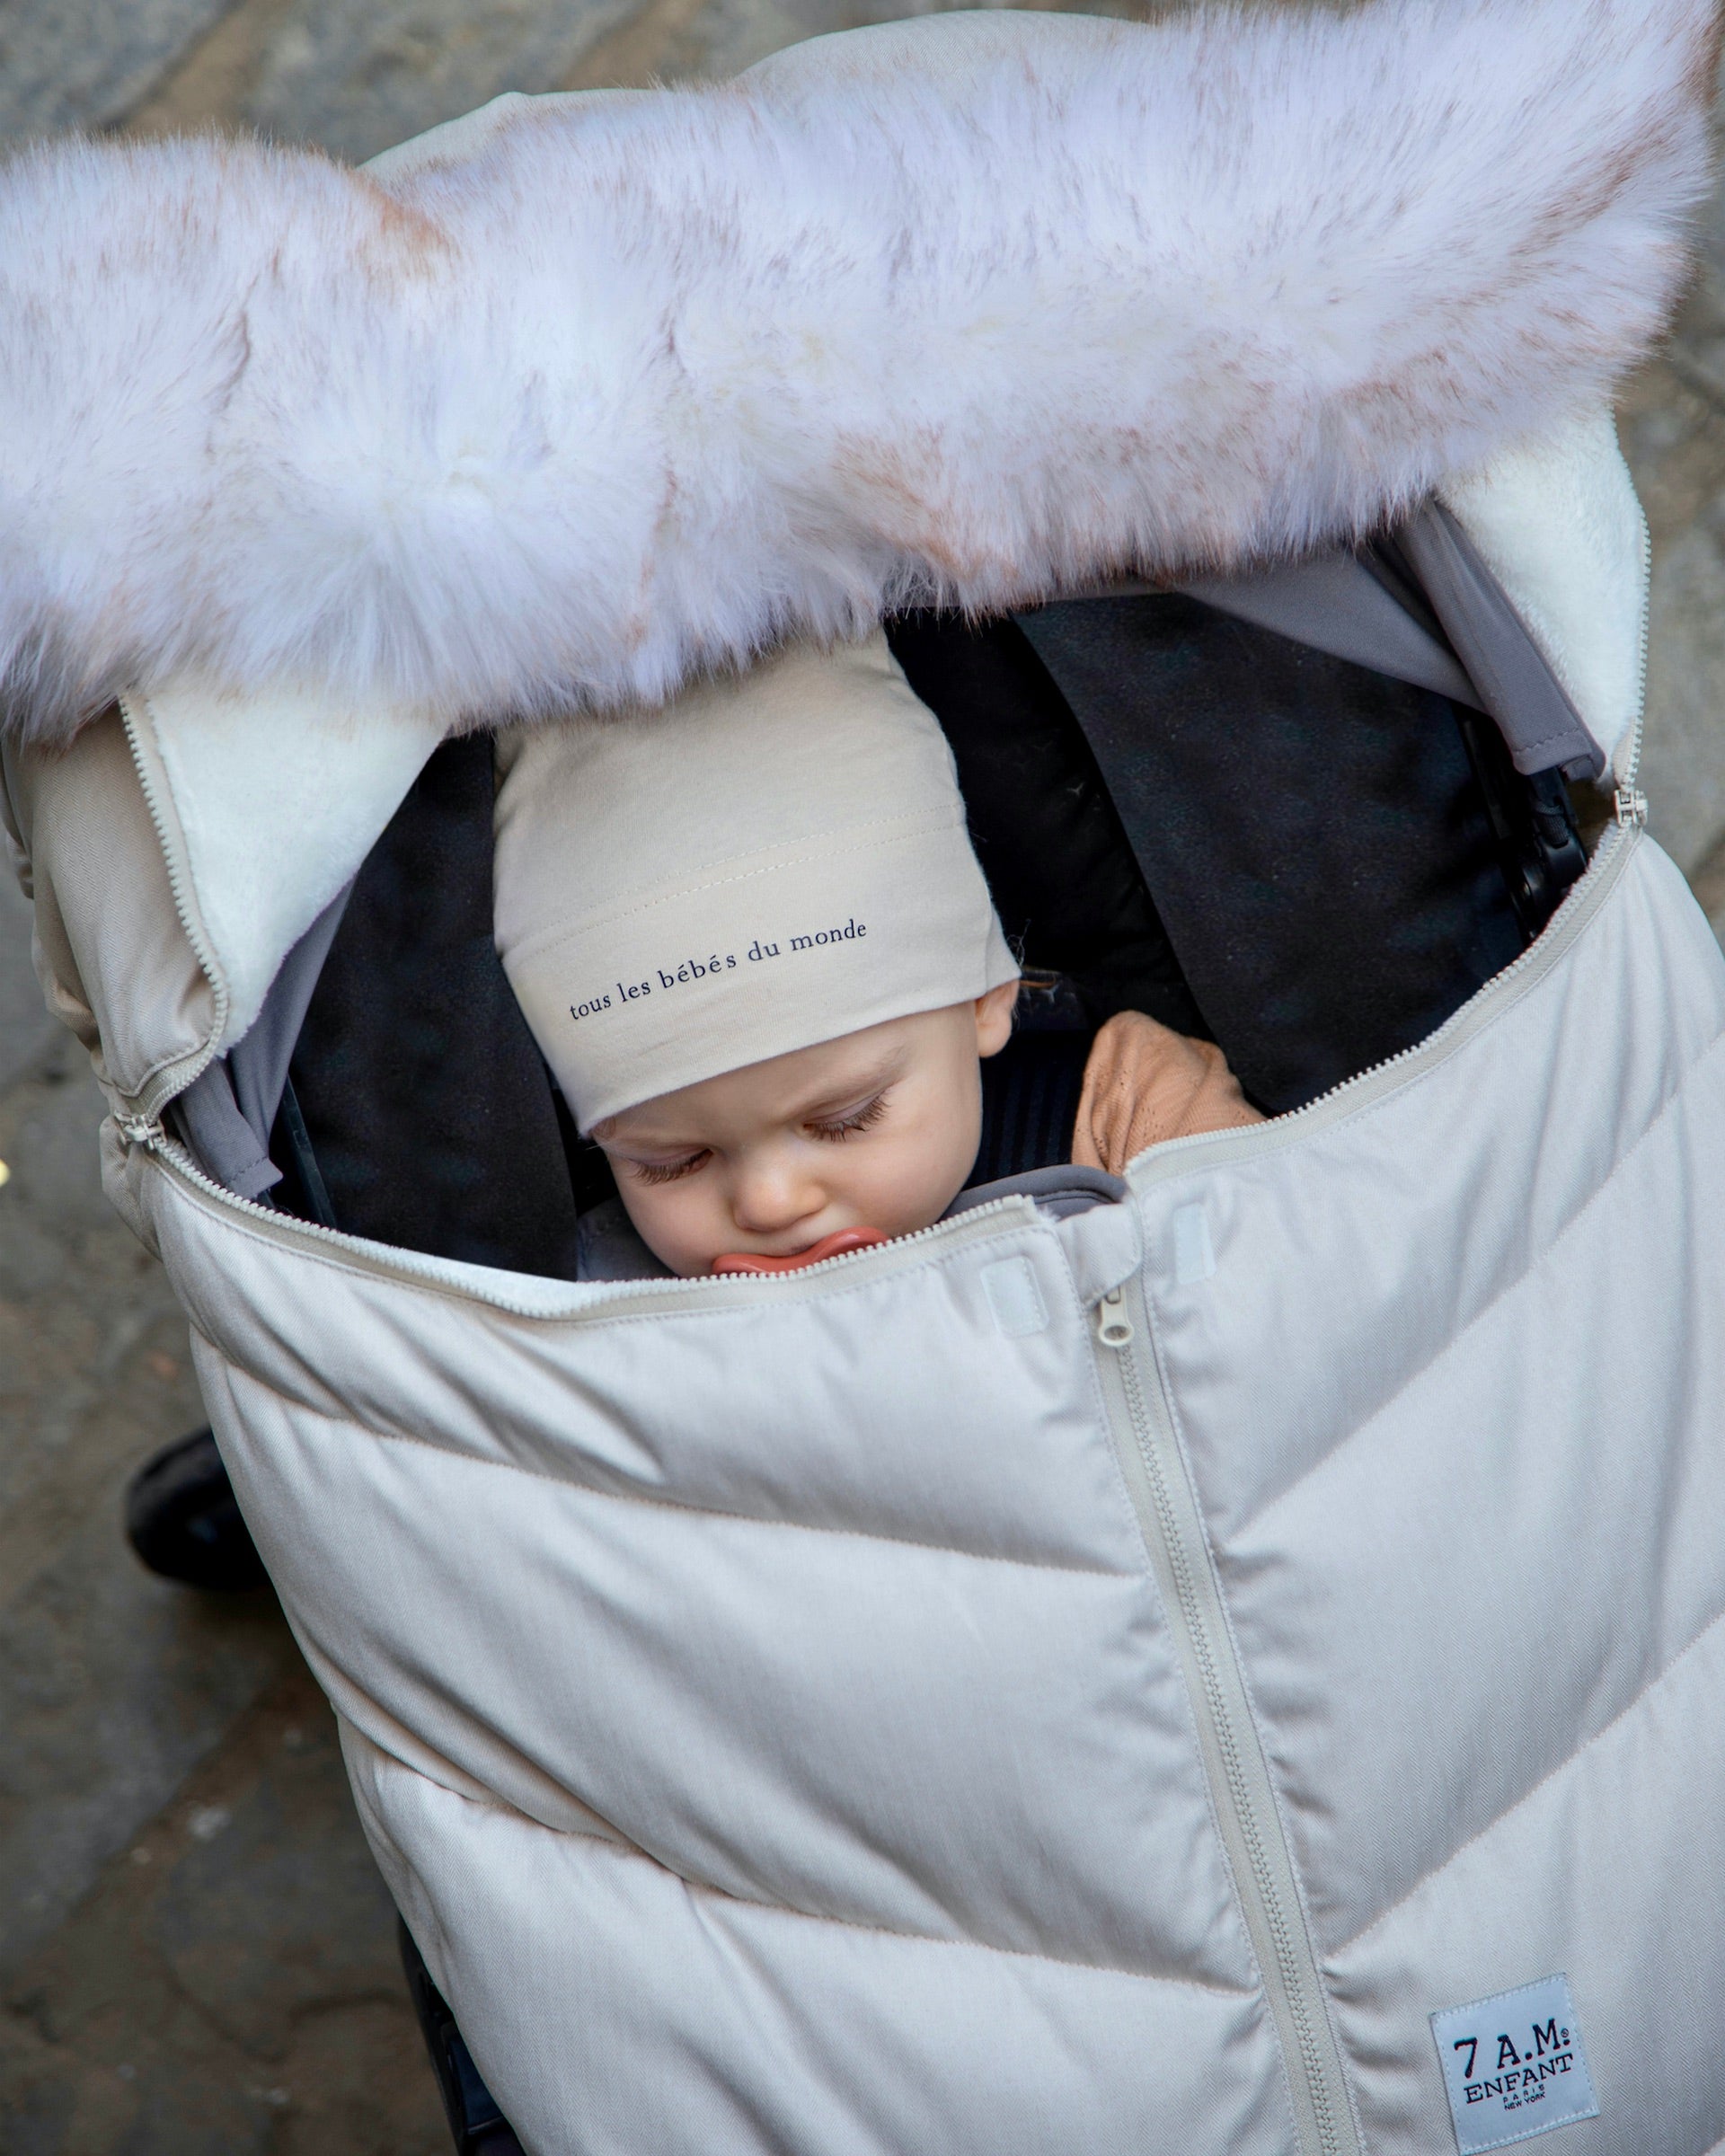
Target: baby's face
{"points": [[877, 1130]]}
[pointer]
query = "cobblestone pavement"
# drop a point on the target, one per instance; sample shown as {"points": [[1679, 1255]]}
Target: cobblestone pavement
{"points": [[196, 1956]]}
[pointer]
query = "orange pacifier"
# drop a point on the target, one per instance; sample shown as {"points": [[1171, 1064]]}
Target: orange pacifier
{"points": [[836, 1245]]}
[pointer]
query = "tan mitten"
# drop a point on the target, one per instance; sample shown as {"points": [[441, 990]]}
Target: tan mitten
{"points": [[1144, 1084]]}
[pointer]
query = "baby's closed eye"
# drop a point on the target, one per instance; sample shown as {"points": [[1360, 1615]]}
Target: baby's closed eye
{"points": [[836, 1128], [667, 1171]]}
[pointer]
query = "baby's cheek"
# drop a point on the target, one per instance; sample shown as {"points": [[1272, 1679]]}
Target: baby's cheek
{"points": [[911, 1186], [676, 1224]]}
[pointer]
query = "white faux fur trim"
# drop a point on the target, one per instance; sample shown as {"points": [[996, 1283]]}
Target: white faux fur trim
{"points": [[975, 306]]}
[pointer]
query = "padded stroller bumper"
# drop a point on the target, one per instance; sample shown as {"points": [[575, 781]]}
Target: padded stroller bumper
{"points": [[883, 1715]]}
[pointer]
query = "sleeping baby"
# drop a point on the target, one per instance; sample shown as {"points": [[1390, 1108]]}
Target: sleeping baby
{"points": [[754, 944]]}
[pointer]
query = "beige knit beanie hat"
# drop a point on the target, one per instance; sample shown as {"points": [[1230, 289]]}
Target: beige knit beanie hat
{"points": [[775, 859]]}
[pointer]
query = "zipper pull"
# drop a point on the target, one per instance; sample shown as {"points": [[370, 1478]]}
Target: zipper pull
{"points": [[1113, 1327], [137, 1131], [1630, 806]]}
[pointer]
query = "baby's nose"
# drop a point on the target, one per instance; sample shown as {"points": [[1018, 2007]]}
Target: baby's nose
{"points": [[771, 1195]]}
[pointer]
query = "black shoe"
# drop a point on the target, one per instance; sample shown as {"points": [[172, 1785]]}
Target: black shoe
{"points": [[479, 2127], [183, 1522]]}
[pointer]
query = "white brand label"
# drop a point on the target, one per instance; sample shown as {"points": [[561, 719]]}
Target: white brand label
{"points": [[1514, 2066]]}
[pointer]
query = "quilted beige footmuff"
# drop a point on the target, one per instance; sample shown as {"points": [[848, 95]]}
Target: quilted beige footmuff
{"points": [[1236, 1670]]}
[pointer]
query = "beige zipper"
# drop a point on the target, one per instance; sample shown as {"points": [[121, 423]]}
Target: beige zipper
{"points": [[644, 1297], [981, 1222], [573, 1301], [1172, 1527], [167, 1085], [1630, 804]]}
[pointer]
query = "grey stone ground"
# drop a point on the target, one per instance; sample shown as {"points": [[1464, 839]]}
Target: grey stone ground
{"points": [[195, 1954]]}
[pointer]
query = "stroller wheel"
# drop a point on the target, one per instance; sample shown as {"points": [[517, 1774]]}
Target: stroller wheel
{"points": [[185, 1523], [478, 2127]]}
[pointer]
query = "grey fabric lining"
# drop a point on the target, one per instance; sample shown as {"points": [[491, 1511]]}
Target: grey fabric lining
{"points": [[221, 1142], [1533, 709], [259, 1063], [227, 1112], [1056, 1191], [1333, 603], [607, 1248]]}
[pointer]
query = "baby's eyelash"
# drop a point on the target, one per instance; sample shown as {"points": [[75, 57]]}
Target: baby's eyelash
{"points": [[648, 1171], [864, 1118]]}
